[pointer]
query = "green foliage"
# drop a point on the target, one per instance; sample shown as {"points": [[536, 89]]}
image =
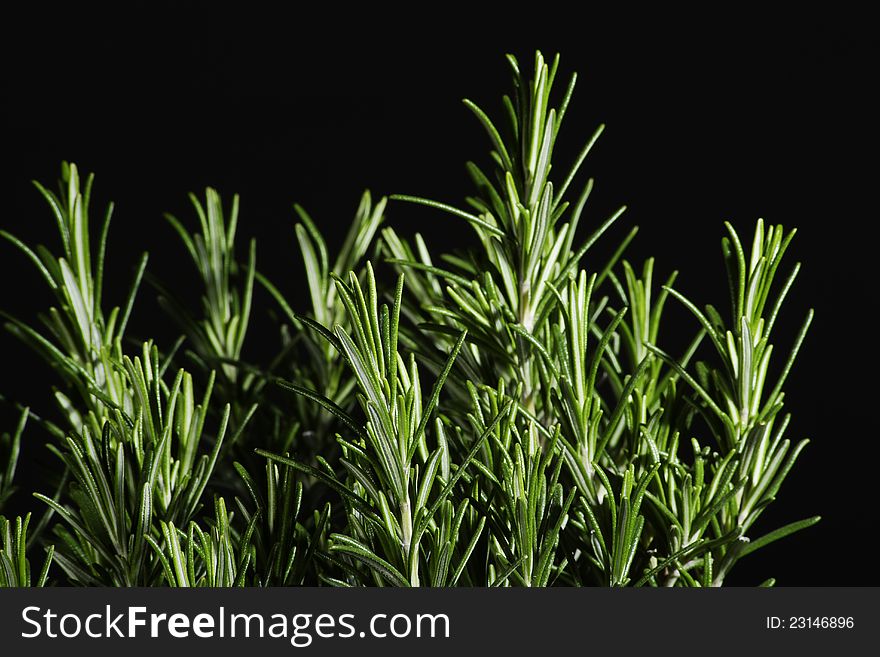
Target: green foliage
{"points": [[505, 415], [81, 340], [141, 474], [10, 444], [315, 363], [15, 568], [217, 557], [398, 484], [218, 336]]}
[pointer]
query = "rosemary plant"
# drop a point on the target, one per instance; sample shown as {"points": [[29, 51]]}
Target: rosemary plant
{"points": [[504, 415], [10, 444]]}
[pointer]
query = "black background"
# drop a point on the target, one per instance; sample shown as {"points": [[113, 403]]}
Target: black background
{"points": [[707, 120]]}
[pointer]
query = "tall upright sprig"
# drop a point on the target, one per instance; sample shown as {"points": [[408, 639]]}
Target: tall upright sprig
{"points": [[80, 340], [322, 369], [730, 393], [217, 337], [504, 293]]}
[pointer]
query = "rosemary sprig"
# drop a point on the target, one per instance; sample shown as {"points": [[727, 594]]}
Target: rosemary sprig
{"points": [[504, 415]]}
